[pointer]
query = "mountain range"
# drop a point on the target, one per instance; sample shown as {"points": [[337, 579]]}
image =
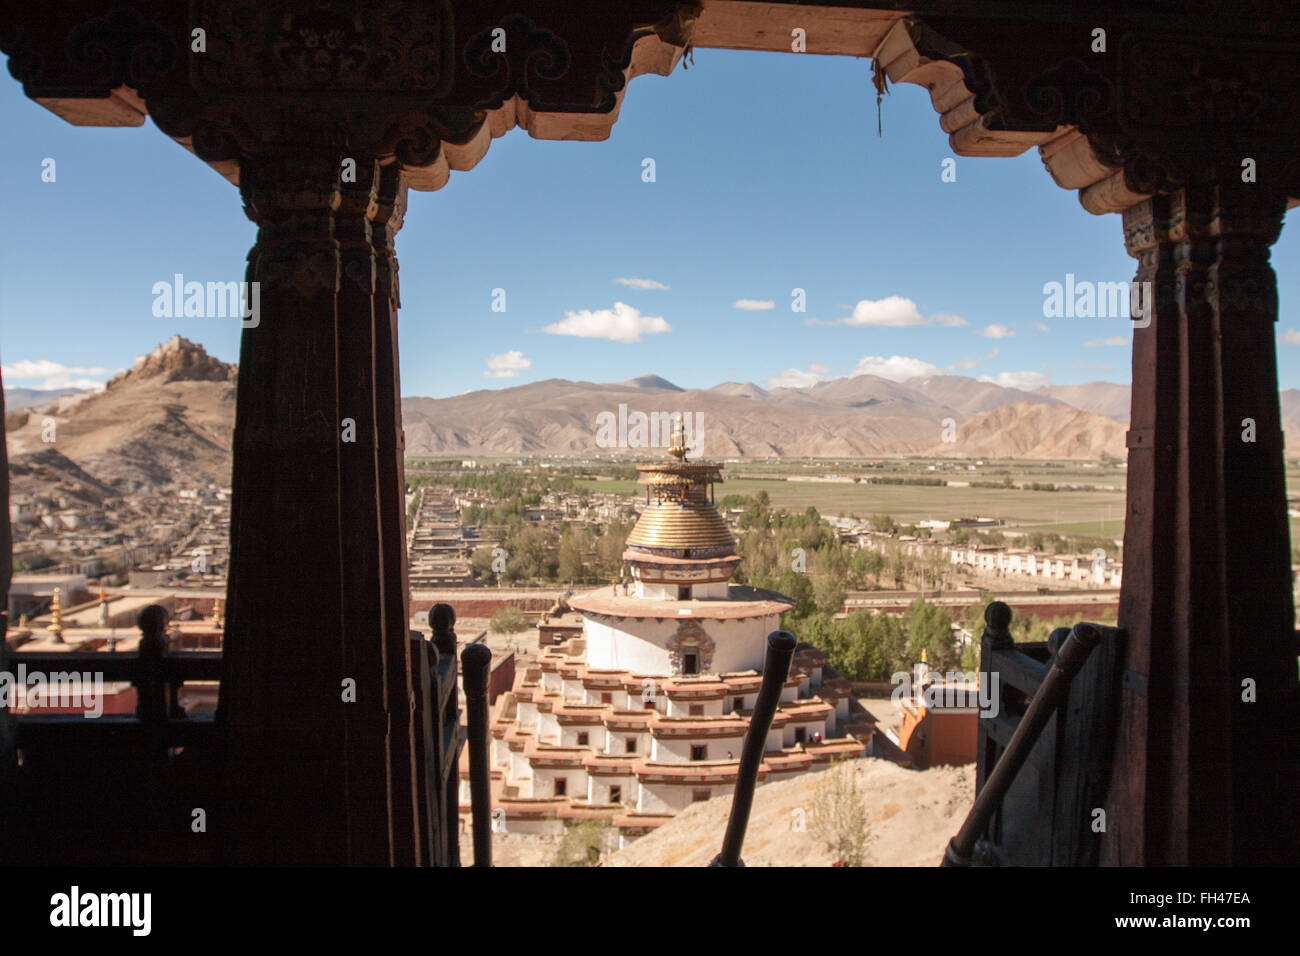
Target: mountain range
{"points": [[169, 420]]}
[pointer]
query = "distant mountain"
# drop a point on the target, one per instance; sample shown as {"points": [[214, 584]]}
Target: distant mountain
{"points": [[168, 419], [852, 417], [741, 390], [16, 398], [1100, 398], [653, 381], [1027, 430]]}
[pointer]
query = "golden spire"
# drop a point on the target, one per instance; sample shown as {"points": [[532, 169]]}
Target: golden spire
{"points": [[56, 613], [678, 449]]}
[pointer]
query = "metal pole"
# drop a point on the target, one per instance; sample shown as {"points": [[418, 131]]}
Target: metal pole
{"points": [[476, 661], [1069, 659], [776, 668]]}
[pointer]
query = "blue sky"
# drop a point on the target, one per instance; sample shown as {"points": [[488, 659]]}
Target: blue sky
{"points": [[769, 176]]}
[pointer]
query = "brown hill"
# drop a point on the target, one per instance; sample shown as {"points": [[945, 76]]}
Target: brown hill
{"points": [[1036, 431], [168, 420]]}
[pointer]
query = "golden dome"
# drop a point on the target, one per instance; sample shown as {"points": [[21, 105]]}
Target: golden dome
{"points": [[668, 525]]}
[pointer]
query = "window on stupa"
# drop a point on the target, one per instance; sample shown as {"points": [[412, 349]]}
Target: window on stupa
{"points": [[699, 796], [738, 704], [800, 735], [699, 752], [697, 710], [690, 663], [615, 794], [606, 697], [561, 787], [582, 740], [630, 744], [683, 593]]}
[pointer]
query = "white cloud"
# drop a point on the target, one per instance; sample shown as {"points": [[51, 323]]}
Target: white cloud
{"points": [[1040, 326], [1289, 337], [643, 284], [794, 378], [893, 311], [623, 323], [507, 364], [754, 305], [1024, 380], [896, 368], [996, 332], [51, 374], [1113, 340]]}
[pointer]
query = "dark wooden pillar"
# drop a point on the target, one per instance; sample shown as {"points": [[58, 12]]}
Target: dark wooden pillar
{"points": [[306, 671], [1207, 596], [386, 215]]}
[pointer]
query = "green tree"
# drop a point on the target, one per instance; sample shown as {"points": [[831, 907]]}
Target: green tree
{"points": [[840, 817], [887, 645], [508, 620], [570, 566], [828, 593], [929, 628], [583, 844]]}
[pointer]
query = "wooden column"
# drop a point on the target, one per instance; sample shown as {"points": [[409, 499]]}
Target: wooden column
{"points": [[386, 216], [305, 673], [1206, 597]]}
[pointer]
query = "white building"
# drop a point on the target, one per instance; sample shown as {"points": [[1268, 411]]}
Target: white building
{"points": [[647, 712]]}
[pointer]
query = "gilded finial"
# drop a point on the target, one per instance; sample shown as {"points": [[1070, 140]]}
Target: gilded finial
{"points": [[678, 449], [55, 626]]}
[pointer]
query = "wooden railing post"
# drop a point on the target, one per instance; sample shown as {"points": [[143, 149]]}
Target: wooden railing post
{"points": [[476, 662], [442, 618], [152, 697], [423, 718], [776, 668]]}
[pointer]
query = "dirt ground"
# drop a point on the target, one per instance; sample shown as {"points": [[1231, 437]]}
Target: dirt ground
{"points": [[913, 812]]}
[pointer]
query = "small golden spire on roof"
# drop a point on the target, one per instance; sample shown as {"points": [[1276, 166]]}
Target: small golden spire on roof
{"points": [[678, 449], [55, 626]]}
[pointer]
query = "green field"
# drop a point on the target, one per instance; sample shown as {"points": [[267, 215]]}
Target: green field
{"points": [[1063, 511]]}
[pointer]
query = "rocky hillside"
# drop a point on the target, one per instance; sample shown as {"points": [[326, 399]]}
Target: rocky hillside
{"points": [[1035, 431], [167, 420]]}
